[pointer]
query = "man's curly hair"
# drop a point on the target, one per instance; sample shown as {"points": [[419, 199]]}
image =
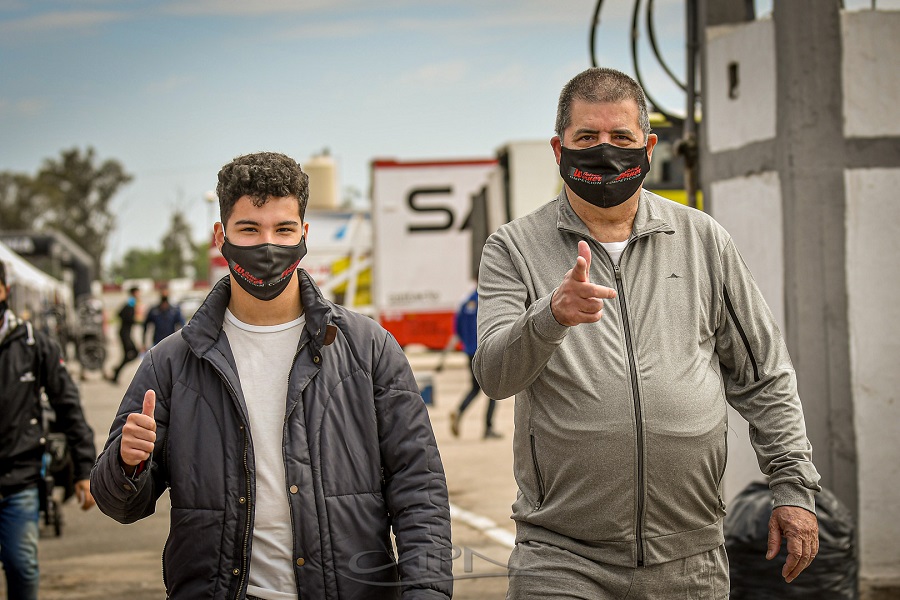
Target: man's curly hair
{"points": [[261, 176]]}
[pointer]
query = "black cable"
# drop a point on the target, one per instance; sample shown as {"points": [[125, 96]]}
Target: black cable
{"points": [[651, 31], [674, 120], [595, 22]]}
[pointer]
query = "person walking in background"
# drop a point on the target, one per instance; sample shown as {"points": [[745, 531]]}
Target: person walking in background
{"points": [[165, 319], [465, 324], [625, 324], [127, 319], [31, 365], [289, 431]]}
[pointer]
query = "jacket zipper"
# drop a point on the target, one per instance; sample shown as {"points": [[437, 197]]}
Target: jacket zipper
{"points": [[537, 472], [639, 423], [284, 434], [244, 558], [246, 541]]}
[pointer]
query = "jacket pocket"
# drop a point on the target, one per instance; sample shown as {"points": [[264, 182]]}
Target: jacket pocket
{"points": [[537, 471]]}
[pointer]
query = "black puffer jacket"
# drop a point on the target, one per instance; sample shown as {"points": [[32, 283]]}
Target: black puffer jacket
{"points": [[358, 446], [31, 362]]}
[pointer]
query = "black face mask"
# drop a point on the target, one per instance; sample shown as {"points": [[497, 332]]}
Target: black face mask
{"points": [[604, 175], [3, 307], [263, 270]]}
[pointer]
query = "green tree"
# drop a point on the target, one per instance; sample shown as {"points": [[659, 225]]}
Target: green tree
{"points": [[19, 207], [177, 247], [139, 263], [74, 193], [201, 261], [177, 256]]}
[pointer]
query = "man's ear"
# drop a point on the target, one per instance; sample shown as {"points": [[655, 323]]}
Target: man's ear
{"points": [[556, 144], [651, 143], [219, 235]]}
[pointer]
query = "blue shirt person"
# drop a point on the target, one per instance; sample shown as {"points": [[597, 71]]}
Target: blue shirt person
{"points": [[465, 324]]}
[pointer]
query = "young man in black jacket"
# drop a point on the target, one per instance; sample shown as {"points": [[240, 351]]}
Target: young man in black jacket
{"points": [[30, 363], [288, 430]]}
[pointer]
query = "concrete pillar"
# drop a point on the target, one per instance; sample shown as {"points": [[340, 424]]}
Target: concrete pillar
{"points": [[810, 159]]}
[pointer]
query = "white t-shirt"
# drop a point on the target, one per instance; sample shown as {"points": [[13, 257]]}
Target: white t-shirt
{"points": [[264, 355], [614, 249]]}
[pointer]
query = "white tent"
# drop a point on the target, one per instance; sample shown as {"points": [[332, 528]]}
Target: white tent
{"points": [[33, 290]]}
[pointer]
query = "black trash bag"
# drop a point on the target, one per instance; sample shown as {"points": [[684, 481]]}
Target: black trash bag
{"points": [[832, 575]]}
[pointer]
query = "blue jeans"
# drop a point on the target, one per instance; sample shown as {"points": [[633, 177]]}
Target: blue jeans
{"points": [[19, 515]]}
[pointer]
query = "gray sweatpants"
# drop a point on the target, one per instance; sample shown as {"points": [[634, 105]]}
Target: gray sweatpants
{"points": [[546, 572]]}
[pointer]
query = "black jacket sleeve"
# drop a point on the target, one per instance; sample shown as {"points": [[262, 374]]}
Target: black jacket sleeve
{"points": [[63, 396], [123, 498], [415, 486]]}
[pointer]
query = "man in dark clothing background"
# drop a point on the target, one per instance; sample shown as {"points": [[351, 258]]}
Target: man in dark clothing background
{"points": [[31, 363], [165, 318], [127, 317]]}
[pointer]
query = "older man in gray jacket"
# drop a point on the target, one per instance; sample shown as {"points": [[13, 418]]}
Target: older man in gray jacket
{"points": [[623, 322], [288, 431]]}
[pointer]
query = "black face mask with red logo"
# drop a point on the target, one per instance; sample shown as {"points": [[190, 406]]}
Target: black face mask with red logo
{"points": [[263, 270], [604, 175]]}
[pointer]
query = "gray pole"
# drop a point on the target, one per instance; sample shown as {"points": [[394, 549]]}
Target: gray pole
{"points": [[689, 136]]}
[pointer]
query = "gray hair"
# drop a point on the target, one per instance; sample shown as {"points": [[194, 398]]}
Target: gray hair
{"points": [[600, 85]]}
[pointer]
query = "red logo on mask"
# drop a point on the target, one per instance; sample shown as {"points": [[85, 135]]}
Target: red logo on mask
{"points": [[629, 174]]}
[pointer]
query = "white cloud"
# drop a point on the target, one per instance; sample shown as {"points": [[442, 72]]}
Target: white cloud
{"points": [[512, 77], [245, 7], [330, 30], [24, 107], [435, 74], [60, 20], [169, 84]]}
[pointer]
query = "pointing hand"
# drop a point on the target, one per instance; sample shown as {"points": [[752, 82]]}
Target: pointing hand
{"points": [[577, 300], [139, 434]]}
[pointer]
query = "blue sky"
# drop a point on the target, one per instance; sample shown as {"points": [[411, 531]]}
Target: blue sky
{"points": [[175, 89]]}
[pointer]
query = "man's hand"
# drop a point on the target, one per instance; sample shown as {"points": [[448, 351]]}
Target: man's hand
{"points": [[139, 434], [801, 529], [83, 494], [577, 300]]}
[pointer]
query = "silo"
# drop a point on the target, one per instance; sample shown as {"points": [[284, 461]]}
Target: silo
{"points": [[323, 184]]}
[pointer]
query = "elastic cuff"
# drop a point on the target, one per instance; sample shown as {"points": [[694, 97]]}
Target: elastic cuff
{"points": [[789, 494], [545, 323]]}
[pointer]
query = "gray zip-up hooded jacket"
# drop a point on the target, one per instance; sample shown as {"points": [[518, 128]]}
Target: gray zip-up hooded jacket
{"points": [[360, 461], [621, 425]]}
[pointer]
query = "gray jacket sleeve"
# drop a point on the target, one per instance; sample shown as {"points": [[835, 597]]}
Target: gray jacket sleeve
{"points": [[760, 383], [515, 339], [414, 484], [119, 496]]}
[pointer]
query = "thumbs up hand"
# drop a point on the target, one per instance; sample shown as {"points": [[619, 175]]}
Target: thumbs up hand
{"points": [[139, 434], [577, 300]]}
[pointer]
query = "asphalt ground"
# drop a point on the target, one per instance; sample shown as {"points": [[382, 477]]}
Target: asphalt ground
{"points": [[96, 557]]}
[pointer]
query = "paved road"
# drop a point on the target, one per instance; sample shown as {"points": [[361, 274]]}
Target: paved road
{"points": [[98, 558]]}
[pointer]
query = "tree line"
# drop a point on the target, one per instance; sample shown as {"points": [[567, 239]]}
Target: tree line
{"points": [[72, 194]]}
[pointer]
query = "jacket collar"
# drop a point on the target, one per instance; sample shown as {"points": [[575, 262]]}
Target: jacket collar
{"points": [[646, 221], [204, 328]]}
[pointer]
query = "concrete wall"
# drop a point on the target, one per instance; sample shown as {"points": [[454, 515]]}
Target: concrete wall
{"points": [[752, 215], [870, 69], [802, 166], [873, 251], [745, 113]]}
